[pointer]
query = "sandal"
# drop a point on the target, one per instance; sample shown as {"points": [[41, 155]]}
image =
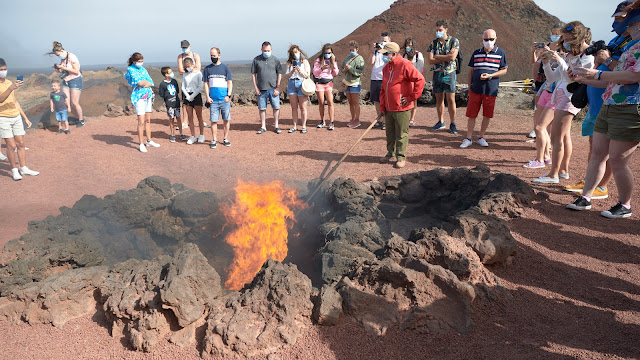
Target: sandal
{"points": [[331, 126], [303, 131], [320, 126], [292, 130], [262, 131], [277, 131]]}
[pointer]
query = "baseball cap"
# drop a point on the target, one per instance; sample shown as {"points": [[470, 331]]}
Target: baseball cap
{"points": [[390, 47], [620, 8], [184, 44]]}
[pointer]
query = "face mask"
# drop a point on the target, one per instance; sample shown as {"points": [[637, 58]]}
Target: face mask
{"points": [[385, 59], [619, 27], [266, 54], [296, 56], [439, 34], [3, 74], [353, 53], [567, 46], [408, 48], [488, 44], [139, 64], [214, 60], [62, 56], [554, 38], [190, 68], [185, 51], [327, 55], [172, 75]]}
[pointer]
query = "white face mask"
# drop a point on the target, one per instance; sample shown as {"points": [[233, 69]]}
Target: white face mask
{"points": [[3, 74], [488, 44], [190, 68]]}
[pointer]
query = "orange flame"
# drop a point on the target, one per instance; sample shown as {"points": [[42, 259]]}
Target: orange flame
{"points": [[260, 214]]}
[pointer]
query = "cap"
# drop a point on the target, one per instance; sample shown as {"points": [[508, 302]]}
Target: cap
{"points": [[390, 47], [619, 9], [184, 44]]}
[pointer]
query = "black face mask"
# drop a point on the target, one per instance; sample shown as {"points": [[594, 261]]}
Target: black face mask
{"points": [[214, 60]]}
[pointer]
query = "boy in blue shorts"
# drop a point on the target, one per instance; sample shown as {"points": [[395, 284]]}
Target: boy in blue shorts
{"points": [[218, 86], [168, 90], [60, 105]]}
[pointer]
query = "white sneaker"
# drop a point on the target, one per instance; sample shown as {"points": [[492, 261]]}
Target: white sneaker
{"points": [[2, 157], [544, 179], [465, 143], [564, 176], [152, 143], [191, 140], [482, 142], [200, 139], [532, 134], [26, 171], [143, 148], [16, 174]]}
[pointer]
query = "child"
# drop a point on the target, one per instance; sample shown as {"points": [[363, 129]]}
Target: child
{"points": [[168, 90], [60, 105], [191, 88]]}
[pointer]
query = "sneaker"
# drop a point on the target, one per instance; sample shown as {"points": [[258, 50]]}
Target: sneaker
{"points": [[262, 131], [207, 125], [143, 148], [330, 126], [321, 125], [482, 142], [379, 124], [292, 130], [152, 144], [453, 129], [547, 161], [16, 174], [185, 125], [439, 125], [564, 176], [200, 139], [616, 212], [191, 140], [80, 123], [213, 144], [533, 164], [387, 159], [401, 163], [354, 123], [580, 204], [532, 134], [577, 187], [466, 143], [600, 193], [60, 131], [183, 137], [26, 171], [2, 157], [226, 142], [544, 179], [172, 138], [67, 132], [277, 130]]}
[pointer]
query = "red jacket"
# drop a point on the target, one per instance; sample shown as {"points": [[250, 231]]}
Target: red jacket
{"points": [[400, 79]]}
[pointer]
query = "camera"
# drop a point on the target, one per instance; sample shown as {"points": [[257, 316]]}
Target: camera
{"points": [[597, 46], [379, 45], [63, 74]]}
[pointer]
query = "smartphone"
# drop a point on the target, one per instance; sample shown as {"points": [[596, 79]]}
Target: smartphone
{"points": [[540, 45], [326, 62], [296, 63], [20, 78]]}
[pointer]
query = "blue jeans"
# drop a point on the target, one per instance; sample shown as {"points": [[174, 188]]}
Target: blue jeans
{"points": [[62, 116], [73, 84], [267, 95], [294, 87], [218, 107], [353, 89]]}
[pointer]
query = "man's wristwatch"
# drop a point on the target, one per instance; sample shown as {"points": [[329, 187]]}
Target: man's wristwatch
{"points": [[608, 61]]}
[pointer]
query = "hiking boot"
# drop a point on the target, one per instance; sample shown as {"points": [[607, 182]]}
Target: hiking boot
{"points": [[577, 187], [354, 123], [466, 143], [581, 203], [453, 129], [616, 212], [439, 125]]}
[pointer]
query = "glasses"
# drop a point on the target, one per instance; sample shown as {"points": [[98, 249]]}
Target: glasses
{"points": [[490, 39], [569, 28]]}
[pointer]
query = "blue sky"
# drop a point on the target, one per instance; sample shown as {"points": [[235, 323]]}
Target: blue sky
{"points": [[108, 32]]}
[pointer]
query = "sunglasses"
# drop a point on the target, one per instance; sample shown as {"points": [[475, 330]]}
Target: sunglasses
{"points": [[490, 39], [569, 28]]}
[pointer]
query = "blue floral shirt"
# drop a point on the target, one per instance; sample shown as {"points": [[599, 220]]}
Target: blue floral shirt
{"points": [[133, 76]]}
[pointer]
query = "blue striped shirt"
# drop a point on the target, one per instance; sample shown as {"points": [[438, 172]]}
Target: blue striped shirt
{"points": [[484, 62]]}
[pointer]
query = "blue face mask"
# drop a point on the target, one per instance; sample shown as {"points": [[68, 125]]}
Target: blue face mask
{"points": [[172, 75], [567, 46], [62, 56], [297, 56], [353, 53], [327, 55], [554, 38], [439, 34], [619, 27], [385, 59], [266, 54], [408, 48], [139, 65], [185, 51]]}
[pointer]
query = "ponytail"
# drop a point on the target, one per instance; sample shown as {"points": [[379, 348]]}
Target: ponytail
{"points": [[134, 58]]}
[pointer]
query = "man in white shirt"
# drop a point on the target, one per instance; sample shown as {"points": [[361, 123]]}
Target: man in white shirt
{"points": [[376, 75]]}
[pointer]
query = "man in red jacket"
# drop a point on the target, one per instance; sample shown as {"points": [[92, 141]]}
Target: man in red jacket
{"points": [[402, 84]]}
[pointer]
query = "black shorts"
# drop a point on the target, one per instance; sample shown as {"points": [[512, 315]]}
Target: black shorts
{"points": [[196, 102], [375, 90]]}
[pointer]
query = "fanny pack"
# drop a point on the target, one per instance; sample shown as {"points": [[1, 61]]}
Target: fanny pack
{"points": [[323, 81]]}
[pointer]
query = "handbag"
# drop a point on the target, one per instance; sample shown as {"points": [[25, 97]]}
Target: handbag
{"points": [[579, 98], [308, 86]]}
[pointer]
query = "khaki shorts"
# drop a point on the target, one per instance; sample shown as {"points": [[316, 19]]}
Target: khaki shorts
{"points": [[619, 122], [10, 127]]}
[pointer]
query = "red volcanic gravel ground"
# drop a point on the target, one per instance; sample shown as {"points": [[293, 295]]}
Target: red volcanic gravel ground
{"points": [[575, 283]]}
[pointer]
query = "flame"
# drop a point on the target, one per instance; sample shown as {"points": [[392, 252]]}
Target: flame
{"points": [[260, 216]]}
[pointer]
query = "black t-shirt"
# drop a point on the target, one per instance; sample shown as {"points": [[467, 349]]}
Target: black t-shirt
{"points": [[169, 92]]}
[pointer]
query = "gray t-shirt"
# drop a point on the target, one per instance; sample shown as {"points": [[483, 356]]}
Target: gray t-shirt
{"points": [[266, 71], [59, 100]]}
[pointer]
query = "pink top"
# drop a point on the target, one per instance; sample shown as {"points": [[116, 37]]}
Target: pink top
{"points": [[68, 62], [326, 73]]}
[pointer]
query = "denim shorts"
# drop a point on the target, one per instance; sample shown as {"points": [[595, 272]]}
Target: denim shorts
{"points": [[267, 95], [218, 107], [144, 106], [444, 82], [353, 89], [73, 84], [294, 87], [62, 116]]}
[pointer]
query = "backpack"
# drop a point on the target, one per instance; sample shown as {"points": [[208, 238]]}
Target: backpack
{"points": [[459, 58]]}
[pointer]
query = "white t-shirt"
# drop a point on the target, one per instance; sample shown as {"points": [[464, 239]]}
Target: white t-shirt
{"points": [[376, 71], [68, 62]]}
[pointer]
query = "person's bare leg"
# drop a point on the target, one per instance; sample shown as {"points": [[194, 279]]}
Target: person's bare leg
{"points": [[329, 97], [412, 120], [200, 119], [66, 125], [214, 131], [227, 127], [321, 105], [471, 123], [11, 152], [59, 125], [560, 128], [619, 154], [141, 129], [293, 100], [192, 126], [484, 126], [179, 120], [147, 125], [606, 178], [542, 120], [451, 106], [75, 103], [276, 117], [172, 126], [536, 99], [597, 158], [440, 106], [377, 105], [302, 102], [263, 118], [568, 150]]}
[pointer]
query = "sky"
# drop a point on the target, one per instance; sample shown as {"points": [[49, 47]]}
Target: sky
{"points": [[108, 32]]}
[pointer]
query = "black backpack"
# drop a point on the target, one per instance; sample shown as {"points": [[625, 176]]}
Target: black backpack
{"points": [[459, 58]]}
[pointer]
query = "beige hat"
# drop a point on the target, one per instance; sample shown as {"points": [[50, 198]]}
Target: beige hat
{"points": [[390, 47]]}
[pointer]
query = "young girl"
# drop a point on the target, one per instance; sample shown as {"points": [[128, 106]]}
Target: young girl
{"points": [[353, 68], [191, 88], [410, 53], [575, 39], [324, 69], [141, 98], [299, 69]]}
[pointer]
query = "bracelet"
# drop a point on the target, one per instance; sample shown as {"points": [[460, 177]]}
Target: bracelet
{"points": [[598, 75]]}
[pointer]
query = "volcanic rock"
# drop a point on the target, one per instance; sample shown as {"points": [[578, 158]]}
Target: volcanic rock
{"points": [[328, 307]]}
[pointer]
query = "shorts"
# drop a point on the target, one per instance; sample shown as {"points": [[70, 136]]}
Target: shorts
{"points": [[62, 116], [353, 89], [267, 96], [10, 127], [324, 87], [73, 84], [144, 106], [173, 113], [545, 100], [444, 82], [563, 102], [376, 85], [619, 122], [197, 101], [588, 124], [294, 87], [487, 102], [218, 107]]}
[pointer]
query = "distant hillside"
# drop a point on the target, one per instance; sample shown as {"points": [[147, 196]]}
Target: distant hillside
{"points": [[518, 23]]}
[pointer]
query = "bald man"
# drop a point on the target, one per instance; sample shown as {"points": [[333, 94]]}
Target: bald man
{"points": [[487, 65]]}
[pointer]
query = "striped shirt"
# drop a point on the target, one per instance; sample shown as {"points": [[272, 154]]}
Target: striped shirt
{"points": [[484, 62]]}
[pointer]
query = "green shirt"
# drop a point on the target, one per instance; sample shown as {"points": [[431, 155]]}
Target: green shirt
{"points": [[356, 63]]}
